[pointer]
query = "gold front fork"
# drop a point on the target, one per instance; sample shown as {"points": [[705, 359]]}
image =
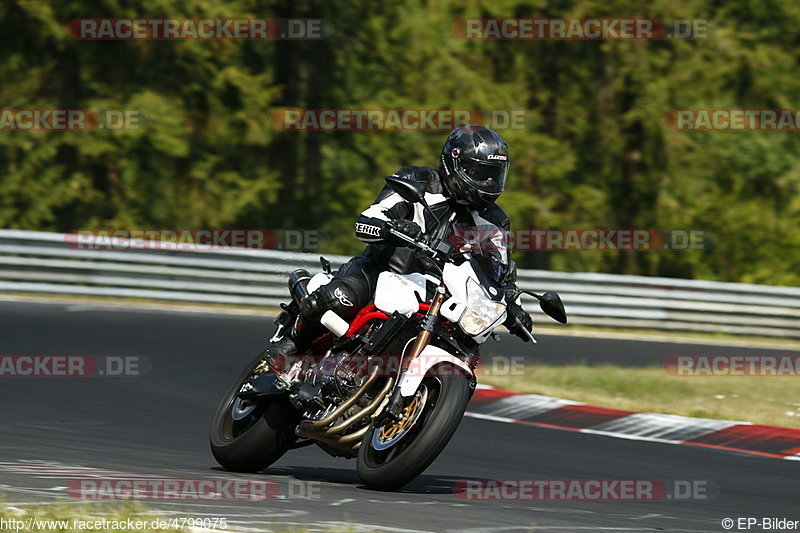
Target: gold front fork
{"points": [[424, 337]]}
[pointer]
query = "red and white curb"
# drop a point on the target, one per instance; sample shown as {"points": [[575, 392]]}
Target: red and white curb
{"points": [[545, 411]]}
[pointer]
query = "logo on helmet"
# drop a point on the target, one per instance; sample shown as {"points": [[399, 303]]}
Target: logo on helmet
{"points": [[499, 156]]}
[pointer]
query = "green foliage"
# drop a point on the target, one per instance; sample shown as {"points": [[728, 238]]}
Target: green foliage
{"points": [[594, 151]]}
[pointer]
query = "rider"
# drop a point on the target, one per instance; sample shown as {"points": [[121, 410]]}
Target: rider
{"points": [[471, 176]]}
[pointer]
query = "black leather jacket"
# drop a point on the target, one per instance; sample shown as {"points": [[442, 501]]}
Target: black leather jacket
{"points": [[489, 226]]}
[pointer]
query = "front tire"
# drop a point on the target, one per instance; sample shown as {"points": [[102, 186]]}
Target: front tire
{"points": [[250, 437], [402, 461]]}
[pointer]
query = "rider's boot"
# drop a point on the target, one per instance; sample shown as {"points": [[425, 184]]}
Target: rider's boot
{"points": [[299, 323], [282, 351]]}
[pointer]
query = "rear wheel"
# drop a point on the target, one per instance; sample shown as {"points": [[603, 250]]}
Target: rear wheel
{"points": [[392, 455], [249, 436]]}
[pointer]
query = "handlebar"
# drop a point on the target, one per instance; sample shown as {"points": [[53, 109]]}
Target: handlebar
{"points": [[435, 248], [527, 333]]}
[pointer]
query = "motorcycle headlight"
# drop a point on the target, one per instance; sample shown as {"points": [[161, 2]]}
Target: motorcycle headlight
{"points": [[482, 312]]}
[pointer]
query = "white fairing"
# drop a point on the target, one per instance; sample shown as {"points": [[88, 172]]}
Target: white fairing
{"points": [[454, 308], [318, 280], [469, 305], [396, 292], [455, 277], [430, 357]]}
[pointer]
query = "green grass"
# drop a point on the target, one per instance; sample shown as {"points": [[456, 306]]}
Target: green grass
{"points": [[668, 335], [45, 517], [66, 517], [762, 400]]}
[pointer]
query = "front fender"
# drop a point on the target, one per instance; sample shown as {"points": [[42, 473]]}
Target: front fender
{"points": [[430, 357]]}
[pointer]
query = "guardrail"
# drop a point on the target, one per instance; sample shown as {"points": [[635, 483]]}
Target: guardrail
{"points": [[38, 262]]}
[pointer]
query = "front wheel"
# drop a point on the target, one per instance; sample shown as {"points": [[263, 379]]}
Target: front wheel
{"points": [[248, 436], [392, 455]]}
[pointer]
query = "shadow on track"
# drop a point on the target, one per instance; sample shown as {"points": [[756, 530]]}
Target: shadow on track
{"points": [[424, 484]]}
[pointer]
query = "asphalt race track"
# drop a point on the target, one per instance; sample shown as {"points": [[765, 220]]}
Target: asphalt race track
{"points": [[158, 424]]}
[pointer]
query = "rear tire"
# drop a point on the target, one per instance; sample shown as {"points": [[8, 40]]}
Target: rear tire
{"points": [[254, 443], [392, 468]]}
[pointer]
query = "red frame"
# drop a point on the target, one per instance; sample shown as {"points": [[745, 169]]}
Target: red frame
{"points": [[370, 313]]}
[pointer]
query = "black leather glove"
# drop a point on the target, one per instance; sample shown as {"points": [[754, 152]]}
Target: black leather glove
{"points": [[517, 319], [406, 227]]}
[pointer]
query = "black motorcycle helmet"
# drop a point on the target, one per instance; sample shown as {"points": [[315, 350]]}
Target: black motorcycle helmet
{"points": [[474, 165]]}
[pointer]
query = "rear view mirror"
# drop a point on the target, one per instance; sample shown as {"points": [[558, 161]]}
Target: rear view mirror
{"points": [[410, 190], [551, 304]]}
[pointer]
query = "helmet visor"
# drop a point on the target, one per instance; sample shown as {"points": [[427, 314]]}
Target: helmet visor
{"points": [[485, 176]]}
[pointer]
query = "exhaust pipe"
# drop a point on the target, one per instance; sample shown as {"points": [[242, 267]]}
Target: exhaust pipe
{"points": [[333, 436], [345, 405]]}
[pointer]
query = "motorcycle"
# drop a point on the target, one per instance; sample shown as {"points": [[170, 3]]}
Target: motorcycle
{"points": [[390, 387]]}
